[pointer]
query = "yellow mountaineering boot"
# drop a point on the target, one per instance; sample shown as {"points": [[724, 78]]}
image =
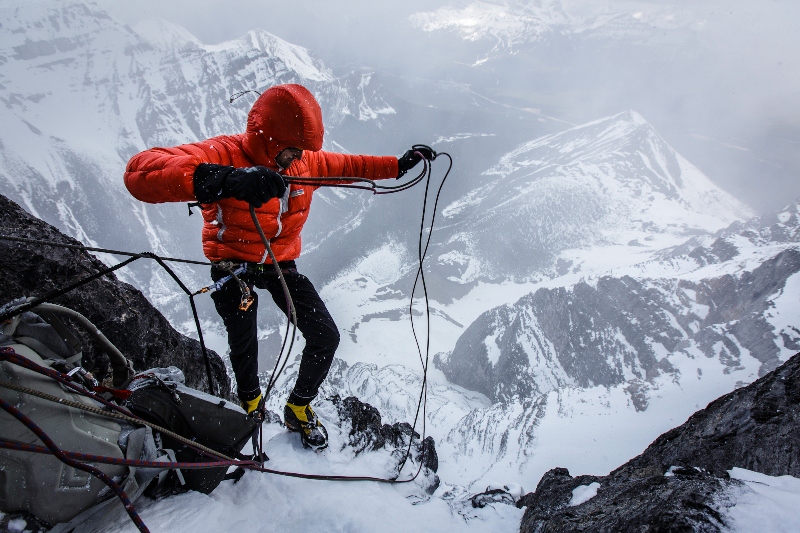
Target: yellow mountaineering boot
{"points": [[302, 419], [251, 405]]}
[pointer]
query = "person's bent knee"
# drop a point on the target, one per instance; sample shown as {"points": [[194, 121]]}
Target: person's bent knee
{"points": [[335, 339], [328, 336]]}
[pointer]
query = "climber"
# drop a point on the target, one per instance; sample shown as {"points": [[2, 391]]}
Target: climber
{"points": [[228, 174]]}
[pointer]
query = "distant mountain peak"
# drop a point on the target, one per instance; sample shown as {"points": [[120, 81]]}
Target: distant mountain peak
{"points": [[599, 136], [295, 58], [630, 116], [165, 35], [641, 160], [610, 182]]}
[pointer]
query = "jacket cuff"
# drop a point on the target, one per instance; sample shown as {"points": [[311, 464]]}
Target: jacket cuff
{"points": [[209, 181]]}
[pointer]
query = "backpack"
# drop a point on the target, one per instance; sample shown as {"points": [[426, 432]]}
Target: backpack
{"points": [[40, 484], [74, 500], [160, 396]]}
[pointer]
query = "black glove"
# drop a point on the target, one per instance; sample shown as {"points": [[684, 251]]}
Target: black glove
{"points": [[254, 185], [410, 159]]}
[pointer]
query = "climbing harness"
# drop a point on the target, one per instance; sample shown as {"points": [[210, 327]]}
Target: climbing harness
{"points": [[228, 266]]}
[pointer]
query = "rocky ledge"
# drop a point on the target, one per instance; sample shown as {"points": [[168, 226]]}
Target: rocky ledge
{"points": [[119, 310], [681, 480], [368, 433]]}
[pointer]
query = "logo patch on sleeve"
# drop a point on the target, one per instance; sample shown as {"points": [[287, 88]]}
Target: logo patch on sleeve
{"points": [[297, 192]]}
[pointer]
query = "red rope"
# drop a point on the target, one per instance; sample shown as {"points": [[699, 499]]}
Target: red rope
{"points": [[102, 459], [8, 354]]}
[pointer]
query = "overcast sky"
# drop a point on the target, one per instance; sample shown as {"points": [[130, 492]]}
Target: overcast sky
{"points": [[759, 30], [736, 113]]}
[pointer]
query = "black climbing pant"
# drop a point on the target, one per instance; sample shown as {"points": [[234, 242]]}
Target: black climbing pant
{"points": [[313, 320]]}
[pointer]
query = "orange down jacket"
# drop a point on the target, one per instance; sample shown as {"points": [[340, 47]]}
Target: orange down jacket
{"points": [[283, 116]]}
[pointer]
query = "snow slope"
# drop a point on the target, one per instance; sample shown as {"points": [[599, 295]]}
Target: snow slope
{"points": [[767, 503], [609, 183]]}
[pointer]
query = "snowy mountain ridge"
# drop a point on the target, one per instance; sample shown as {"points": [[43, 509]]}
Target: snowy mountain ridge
{"points": [[611, 182], [633, 351], [591, 278]]}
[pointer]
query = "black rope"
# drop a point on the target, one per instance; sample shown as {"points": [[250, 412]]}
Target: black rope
{"points": [[11, 313], [14, 311], [290, 309], [92, 249], [191, 296], [238, 95], [421, 276], [423, 398], [347, 182]]}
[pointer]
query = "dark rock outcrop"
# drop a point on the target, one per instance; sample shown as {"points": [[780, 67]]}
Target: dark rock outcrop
{"points": [[679, 483], [756, 427], [119, 310], [686, 501], [479, 501], [368, 433]]}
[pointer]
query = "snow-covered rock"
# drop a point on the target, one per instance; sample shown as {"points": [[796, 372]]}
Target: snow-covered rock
{"points": [[682, 479]]}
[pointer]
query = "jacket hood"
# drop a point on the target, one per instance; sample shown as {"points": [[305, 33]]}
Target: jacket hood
{"points": [[283, 116]]}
